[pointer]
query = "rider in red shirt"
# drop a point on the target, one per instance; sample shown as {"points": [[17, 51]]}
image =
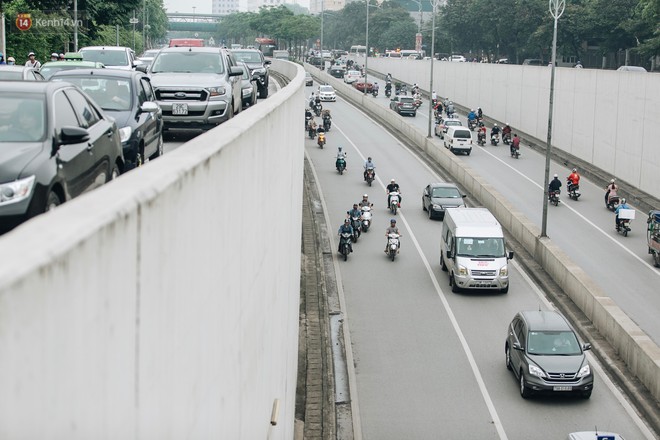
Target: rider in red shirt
{"points": [[574, 177], [515, 143]]}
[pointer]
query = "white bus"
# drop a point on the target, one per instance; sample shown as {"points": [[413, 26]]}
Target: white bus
{"points": [[358, 50]]}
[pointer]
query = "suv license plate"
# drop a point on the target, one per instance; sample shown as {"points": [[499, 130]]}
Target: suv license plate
{"points": [[558, 388], [179, 108]]}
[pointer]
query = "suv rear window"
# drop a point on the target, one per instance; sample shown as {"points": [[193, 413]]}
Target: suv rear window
{"points": [[188, 62], [462, 134], [247, 56], [107, 57]]}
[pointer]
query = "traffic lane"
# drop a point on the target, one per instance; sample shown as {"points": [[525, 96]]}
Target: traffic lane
{"points": [[492, 318], [403, 374], [585, 232]]}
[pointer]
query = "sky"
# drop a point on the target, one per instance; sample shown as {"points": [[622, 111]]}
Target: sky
{"points": [[201, 6]]}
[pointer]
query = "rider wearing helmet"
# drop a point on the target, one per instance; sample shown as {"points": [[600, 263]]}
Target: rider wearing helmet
{"points": [[345, 228], [495, 130], [367, 165], [393, 186], [365, 201], [391, 229], [472, 115], [612, 189], [622, 205], [341, 155], [554, 185], [506, 130], [574, 177]]}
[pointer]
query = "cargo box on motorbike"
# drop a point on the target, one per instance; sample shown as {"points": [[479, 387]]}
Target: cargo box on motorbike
{"points": [[626, 214]]}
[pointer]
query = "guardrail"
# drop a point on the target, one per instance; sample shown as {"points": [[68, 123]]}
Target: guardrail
{"points": [[638, 350], [164, 304]]}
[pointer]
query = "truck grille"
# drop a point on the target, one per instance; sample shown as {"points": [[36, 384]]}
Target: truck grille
{"points": [[181, 94], [483, 273], [561, 377]]}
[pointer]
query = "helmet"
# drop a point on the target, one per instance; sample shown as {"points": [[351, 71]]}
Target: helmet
{"points": [[478, 108], [623, 201], [506, 123], [393, 220], [494, 125], [612, 181], [54, 55], [61, 55], [555, 175], [575, 170], [30, 54], [354, 205], [339, 148], [481, 124], [369, 158], [472, 110], [392, 181], [451, 102], [11, 59], [365, 196], [346, 220]]}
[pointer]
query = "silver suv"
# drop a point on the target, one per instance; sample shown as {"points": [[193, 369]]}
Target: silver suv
{"points": [[116, 57], [196, 87]]}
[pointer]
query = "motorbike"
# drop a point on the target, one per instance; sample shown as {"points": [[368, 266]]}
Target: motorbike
{"points": [[371, 175], [506, 138], [345, 247], [573, 190], [307, 119], [327, 123], [366, 218], [494, 139], [612, 202], [481, 138], [311, 132], [317, 109], [392, 245], [472, 124], [374, 92], [624, 224], [388, 91], [418, 101], [394, 202], [515, 153], [341, 165], [357, 228], [553, 197], [653, 236], [321, 139]]}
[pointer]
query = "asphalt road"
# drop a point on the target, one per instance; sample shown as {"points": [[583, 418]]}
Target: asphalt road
{"points": [[430, 363], [584, 229]]}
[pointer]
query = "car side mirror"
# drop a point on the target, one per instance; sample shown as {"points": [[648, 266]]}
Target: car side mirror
{"points": [[73, 135], [255, 77], [267, 63], [141, 68], [235, 71], [510, 255], [149, 107], [517, 346], [449, 253], [464, 195], [586, 346]]}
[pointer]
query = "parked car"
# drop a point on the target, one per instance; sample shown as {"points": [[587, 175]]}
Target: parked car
{"points": [[309, 81], [458, 59], [56, 144], [196, 87], [49, 68], [352, 76], [437, 197], [128, 97], [545, 355], [258, 65], [441, 128], [631, 69], [19, 73], [116, 57], [403, 105], [533, 62], [327, 93], [248, 86]]}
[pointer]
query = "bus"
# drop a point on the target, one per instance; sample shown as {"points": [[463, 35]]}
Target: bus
{"points": [[358, 50], [266, 46]]}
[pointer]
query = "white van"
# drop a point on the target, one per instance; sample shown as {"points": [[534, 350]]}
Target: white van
{"points": [[472, 250], [458, 139]]}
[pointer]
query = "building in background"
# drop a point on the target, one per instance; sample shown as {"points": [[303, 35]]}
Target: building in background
{"points": [[328, 5], [225, 7]]}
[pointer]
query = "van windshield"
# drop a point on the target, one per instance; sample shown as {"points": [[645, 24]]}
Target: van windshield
{"points": [[481, 247]]}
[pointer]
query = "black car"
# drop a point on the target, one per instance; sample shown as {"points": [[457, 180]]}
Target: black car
{"points": [[337, 71], [55, 144], [128, 97], [403, 105], [437, 197], [248, 85], [545, 354], [258, 65], [19, 73]]}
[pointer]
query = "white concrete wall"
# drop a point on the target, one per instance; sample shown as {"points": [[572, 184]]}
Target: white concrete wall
{"points": [[640, 353], [165, 304], [607, 118]]}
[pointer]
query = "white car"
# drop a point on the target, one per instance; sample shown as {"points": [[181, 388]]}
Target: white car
{"points": [[458, 58], [327, 93], [352, 76]]}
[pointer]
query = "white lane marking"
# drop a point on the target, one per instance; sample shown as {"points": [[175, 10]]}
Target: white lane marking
{"points": [[348, 345], [589, 222], [466, 348]]}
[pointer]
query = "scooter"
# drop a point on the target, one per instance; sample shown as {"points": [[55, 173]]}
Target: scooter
{"points": [[388, 91], [481, 139], [494, 139], [321, 140], [472, 124], [553, 197], [573, 190], [392, 245], [356, 223], [394, 202], [612, 202], [371, 175], [374, 92], [506, 138], [311, 132], [345, 247], [418, 101], [341, 165], [624, 225], [317, 109], [327, 123], [515, 153], [366, 218]]}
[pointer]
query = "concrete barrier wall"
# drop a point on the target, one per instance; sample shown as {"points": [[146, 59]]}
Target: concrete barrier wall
{"points": [[165, 304], [639, 352], [607, 118]]}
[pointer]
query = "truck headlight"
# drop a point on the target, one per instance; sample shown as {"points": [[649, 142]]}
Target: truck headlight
{"points": [[536, 371], [435, 206], [584, 371], [504, 271], [13, 192], [216, 91], [462, 271], [125, 134]]}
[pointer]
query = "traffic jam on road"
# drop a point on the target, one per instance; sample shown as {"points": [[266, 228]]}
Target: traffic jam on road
{"points": [[406, 331], [106, 101]]}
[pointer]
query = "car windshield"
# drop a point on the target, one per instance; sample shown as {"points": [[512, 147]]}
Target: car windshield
{"points": [[407, 99], [22, 117], [113, 94], [188, 62], [453, 122], [48, 71], [150, 53], [107, 57], [14, 75], [544, 343], [326, 89], [446, 193], [481, 247], [247, 56]]}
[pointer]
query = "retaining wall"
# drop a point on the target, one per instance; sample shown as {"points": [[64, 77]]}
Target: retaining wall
{"points": [[164, 305], [638, 351], [607, 118]]}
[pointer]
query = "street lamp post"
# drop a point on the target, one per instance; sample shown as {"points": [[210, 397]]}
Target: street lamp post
{"points": [[433, 4], [366, 53], [556, 10], [322, 59], [75, 25]]}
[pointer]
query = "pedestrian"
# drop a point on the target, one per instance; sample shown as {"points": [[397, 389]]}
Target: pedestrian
{"points": [[61, 57], [11, 61], [2, 58], [54, 56], [32, 61]]}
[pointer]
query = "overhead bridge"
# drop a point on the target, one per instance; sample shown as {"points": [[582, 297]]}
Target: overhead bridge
{"points": [[187, 22]]}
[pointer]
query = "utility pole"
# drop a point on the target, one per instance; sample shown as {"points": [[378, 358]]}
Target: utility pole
{"points": [[75, 25]]}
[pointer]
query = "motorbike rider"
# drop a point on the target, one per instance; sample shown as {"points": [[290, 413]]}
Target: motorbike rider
{"points": [[506, 130], [574, 177], [393, 186], [472, 116], [415, 89], [365, 201], [554, 185], [450, 109], [388, 78], [495, 130], [622, 205], [311, 125], [374, 88], [355, 212], [312, 100], [481, 133], [611, 189], [480, 114], [346, 227], [392, 229], [369, 164], [341, 154], [434, 96], [515, 144]]}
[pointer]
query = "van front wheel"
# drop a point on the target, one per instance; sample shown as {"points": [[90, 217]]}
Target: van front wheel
{"points": [[452, 283]]}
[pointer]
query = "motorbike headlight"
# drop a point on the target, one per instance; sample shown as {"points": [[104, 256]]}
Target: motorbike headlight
{"points": [[504, 271], [216, 91], [13, 192], [584, 371], [462, 271], [125, 134], [536, 371]]}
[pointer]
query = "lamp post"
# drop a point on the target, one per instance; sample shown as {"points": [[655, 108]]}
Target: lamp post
{"points": [[322, 59], [75, 25], [366, 53], [556, 10], [433, 4]]}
